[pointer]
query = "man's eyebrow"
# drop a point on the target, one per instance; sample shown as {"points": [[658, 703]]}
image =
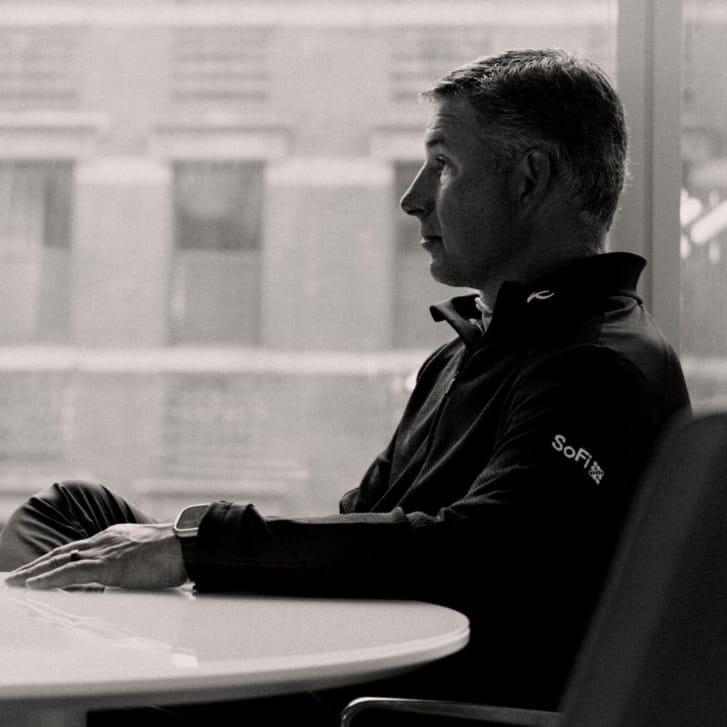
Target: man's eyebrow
{"points": [[434, 139]]}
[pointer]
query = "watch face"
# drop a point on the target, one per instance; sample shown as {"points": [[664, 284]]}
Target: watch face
{"points": [[190, 517]]}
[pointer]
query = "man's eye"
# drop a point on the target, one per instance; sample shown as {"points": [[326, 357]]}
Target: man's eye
{"points": [[443, 164]]}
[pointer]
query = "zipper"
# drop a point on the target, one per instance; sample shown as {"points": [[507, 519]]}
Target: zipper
{"points": [[466, 361], [438, 415]]}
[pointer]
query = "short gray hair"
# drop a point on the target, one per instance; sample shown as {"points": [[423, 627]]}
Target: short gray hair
{"points": [[558, 102]]}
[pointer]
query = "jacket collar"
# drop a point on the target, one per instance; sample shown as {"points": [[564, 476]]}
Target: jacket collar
{"points": [[576, 284]]}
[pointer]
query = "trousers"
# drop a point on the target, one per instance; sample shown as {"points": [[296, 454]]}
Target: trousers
{"points": [[60, 514]]}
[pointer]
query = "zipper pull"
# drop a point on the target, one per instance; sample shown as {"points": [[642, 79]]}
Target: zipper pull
{"points": [[450, 384]]}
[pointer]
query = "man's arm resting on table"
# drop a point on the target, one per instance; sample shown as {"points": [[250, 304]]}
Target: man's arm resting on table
{"points": [[126, 555]]}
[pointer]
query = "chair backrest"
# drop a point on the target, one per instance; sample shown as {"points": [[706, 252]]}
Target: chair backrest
{"points": [[656, 653]]}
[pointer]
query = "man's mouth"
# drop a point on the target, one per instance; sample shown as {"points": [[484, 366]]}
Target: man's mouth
{"points": [[430, 240]]}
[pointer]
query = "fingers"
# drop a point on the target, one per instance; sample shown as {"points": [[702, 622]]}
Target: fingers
{"points": [[51, 562], [71, 574], [61, 550]]}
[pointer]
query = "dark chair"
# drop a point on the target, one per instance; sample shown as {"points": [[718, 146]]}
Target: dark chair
{"points": [[656, 652]]}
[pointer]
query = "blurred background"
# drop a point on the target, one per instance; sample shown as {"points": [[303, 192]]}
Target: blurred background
{"points": [[207, 289]]}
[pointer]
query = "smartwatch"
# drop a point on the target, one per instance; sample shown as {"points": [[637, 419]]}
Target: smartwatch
{"points": [[187, 523], [185, 528]]}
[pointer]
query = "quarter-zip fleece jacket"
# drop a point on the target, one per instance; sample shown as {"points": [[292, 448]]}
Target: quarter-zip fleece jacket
{"points": [[503, 489]]}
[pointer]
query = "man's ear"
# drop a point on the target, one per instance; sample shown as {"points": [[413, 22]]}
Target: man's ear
{"points": [[535, 176]]}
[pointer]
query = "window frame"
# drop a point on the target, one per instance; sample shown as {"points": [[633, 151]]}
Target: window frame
{"points": [[648, 59]]}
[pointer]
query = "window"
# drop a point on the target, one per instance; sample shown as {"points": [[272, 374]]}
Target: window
{"points": [[703, 244], [36, 431], [218, 212], [282, 293], [212, 444], [418, 55], [220, 66], [39, 67], [35, 240]]}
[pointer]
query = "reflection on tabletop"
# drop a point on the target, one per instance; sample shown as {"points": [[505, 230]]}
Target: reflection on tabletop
{"points": [[132, 624]]}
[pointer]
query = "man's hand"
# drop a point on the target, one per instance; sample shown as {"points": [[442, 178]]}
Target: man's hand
{"points": [[127, 555]]}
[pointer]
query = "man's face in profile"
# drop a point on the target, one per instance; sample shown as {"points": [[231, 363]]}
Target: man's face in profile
{"points": [[465, 207]]}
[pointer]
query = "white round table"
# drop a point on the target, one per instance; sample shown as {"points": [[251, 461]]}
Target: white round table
{"points": [[62, 653]]}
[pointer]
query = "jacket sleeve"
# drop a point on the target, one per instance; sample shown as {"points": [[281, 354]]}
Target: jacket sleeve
{"points": [[573, 438], [373, 485]]}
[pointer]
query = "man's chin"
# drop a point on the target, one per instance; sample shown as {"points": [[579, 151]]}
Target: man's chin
{"points": [[441, 274]]}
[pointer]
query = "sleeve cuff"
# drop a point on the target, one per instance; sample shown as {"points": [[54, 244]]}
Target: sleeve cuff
{"points": [[233, 544]]}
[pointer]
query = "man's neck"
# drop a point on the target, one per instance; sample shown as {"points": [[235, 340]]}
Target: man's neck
{"points": [[530, 273]]}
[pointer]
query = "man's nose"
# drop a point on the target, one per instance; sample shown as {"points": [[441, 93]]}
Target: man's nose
{"points": [[416, 200]]}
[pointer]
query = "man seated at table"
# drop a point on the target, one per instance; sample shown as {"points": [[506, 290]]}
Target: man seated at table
{"points": [[504, 487]]}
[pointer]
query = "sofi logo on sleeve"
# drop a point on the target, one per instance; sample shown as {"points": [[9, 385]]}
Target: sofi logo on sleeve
{"points": [[579, 456]]}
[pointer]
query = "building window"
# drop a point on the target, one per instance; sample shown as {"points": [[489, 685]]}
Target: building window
{"points": [[218, 212], [419, 55], [37, 425], [221, 438], [35, 240], [217, 66], [39, 67]]}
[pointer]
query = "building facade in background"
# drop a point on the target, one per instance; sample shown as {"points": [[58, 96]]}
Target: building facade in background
{"points": [[206, 286]]}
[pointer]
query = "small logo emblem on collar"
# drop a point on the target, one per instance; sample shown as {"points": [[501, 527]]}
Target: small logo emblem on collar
{"points": [[540, 295]]}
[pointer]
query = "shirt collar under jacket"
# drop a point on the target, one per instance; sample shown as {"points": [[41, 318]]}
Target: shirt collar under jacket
{"points": [[589, 279]]}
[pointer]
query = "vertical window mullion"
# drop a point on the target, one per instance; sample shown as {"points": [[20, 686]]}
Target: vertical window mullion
{"points": [[649, 80]]}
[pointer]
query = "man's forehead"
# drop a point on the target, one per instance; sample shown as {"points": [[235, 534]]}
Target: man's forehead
{"points": [[452, 120]]}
